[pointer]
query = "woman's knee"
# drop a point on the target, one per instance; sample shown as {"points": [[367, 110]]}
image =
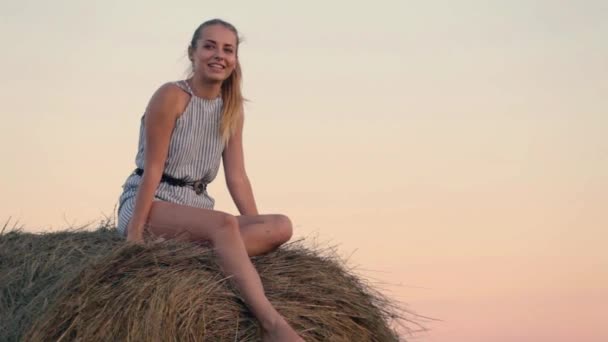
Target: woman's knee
{"points": [[284, 228], [228, 225]]}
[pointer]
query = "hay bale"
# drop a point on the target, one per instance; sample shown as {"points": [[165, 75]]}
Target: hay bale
{"points": [[92, 286]]}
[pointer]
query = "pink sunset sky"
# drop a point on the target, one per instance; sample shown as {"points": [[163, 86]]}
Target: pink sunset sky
{"points": [[455, 150]]}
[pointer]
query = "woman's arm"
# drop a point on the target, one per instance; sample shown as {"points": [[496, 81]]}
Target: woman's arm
{"points": [[235, 174], [160, 118]]}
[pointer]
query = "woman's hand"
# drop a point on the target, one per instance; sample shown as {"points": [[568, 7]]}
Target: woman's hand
{"points": [[135, 235]]}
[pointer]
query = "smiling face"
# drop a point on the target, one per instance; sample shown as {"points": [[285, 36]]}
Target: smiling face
{"points": [[214, 53]]}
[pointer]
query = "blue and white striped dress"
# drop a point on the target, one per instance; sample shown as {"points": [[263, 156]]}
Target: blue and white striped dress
{"points": [[195, 151]]}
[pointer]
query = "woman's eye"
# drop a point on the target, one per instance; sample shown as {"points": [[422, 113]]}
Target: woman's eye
{"points": [[208, 46]]}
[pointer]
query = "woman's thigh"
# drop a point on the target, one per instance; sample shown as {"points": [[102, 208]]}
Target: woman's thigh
{"points": [[263, 233], [277, 225], [175, 221]]}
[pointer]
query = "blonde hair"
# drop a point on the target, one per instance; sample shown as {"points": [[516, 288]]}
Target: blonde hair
{"points": [[232, 96]]}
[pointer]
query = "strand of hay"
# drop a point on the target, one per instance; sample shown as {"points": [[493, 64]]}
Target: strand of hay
{"points": [[92, 286]]}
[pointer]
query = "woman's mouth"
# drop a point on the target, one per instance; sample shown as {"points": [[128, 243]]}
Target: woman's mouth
{"points": [[216, 66]]}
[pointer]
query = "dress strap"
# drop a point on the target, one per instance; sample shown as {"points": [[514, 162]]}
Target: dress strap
{"points": [[184, 86]]}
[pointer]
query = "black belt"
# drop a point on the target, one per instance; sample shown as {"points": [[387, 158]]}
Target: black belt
{"points": [[199, 186]]}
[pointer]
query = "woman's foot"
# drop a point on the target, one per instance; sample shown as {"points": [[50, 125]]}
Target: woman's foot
{"points": [[280, 331]]}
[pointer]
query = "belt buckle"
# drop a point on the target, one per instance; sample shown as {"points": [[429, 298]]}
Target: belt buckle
{"points": [[199, 186]]}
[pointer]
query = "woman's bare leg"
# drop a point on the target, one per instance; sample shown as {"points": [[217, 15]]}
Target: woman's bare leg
{"points": [[171, 220], [264, 233]]}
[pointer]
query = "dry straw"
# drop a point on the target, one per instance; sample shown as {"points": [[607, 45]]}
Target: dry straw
{"points": [[79, 285]]}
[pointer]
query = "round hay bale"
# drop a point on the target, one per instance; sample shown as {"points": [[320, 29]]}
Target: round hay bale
{"points": [[92, 286]]}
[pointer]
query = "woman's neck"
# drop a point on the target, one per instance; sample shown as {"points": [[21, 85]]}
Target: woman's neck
{"points": [[206, 90]]}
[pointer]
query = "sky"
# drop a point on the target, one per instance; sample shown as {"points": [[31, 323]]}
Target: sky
{"points": [[454, 151]]}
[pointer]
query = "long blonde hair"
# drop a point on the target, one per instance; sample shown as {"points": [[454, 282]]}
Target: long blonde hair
{"points": [[232, 96]]}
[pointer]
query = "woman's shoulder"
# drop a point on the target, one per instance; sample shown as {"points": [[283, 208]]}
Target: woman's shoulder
{"points": [[170, 95], [173, 89]]}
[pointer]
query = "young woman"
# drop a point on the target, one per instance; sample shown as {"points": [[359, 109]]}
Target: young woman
{"points": [[188, 125]]}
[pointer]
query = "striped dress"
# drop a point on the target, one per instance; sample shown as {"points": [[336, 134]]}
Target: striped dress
{"points": [[195, 151]]}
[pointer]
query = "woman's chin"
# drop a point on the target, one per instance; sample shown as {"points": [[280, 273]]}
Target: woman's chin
{"points": [[214, 78]]}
